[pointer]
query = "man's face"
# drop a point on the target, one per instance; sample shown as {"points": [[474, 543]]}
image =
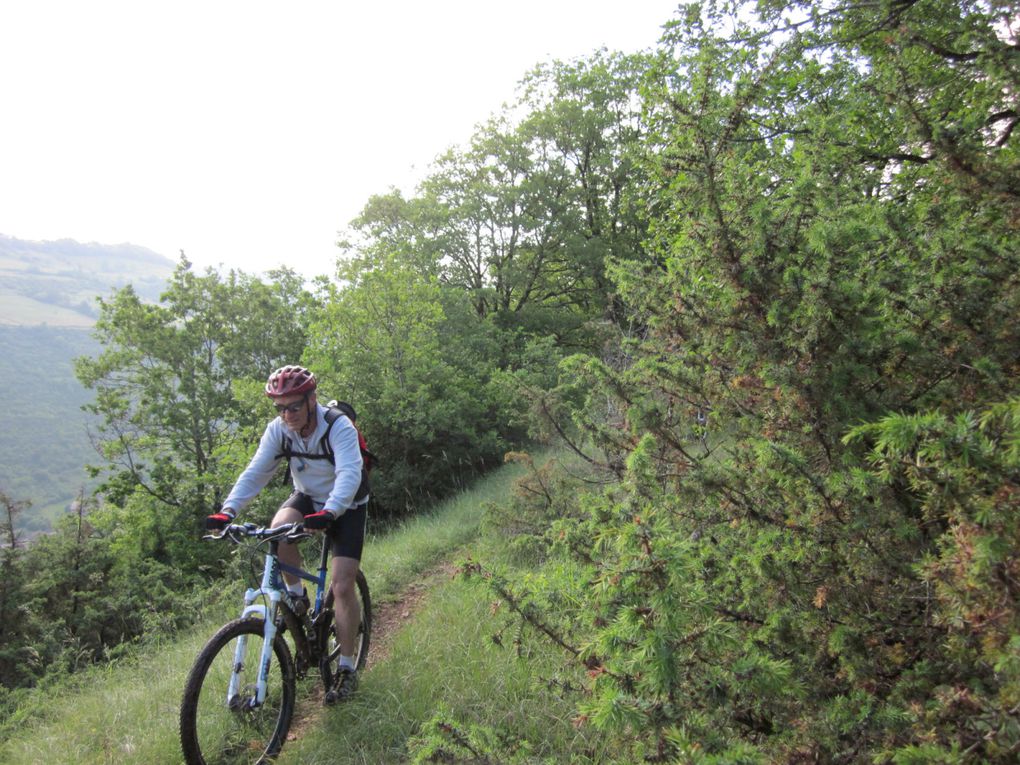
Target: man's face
{"points": [[294, 410]]}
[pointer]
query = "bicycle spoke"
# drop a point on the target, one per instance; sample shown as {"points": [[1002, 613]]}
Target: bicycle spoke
{"points": [[218, 729]]}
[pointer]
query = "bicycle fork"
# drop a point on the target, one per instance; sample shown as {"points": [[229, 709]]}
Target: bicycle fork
{"points": [[270, 577]]}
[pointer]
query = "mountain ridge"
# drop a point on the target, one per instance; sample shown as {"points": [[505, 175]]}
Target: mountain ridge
{"points": [[55, 283]]}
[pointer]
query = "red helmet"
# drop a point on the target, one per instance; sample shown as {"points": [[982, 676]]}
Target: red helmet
{"points": [[288, 380]]}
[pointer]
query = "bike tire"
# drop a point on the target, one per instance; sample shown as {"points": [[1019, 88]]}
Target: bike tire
{"points": [[211, 731], [329, 648]]}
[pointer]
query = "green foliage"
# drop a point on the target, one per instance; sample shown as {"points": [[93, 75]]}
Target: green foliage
{"points": [[164, 387], [827, 248], [507, 240], [962, 473], [442, 740], [177, 413], [127, 709], [455, 304], [789, 280], [523, 219], [16, 623], [401, 349], [80, 595]]}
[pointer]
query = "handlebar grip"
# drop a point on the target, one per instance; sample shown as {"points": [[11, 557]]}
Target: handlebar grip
{"points": [[292, 531]]}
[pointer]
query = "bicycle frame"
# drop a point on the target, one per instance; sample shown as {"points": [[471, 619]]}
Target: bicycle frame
{"points": [[260, 680], [273, 588]]}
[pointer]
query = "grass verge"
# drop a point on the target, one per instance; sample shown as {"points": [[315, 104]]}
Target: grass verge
{"points": [[126, 712], [443, 666]]}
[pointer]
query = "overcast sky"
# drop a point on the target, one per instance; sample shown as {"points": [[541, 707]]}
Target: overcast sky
{"points": [[247, 133]]}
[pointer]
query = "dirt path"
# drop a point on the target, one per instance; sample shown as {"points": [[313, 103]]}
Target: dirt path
{"points": [[387, 619]]}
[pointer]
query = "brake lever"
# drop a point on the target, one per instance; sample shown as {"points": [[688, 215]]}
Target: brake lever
{"points": [[227, 531]]}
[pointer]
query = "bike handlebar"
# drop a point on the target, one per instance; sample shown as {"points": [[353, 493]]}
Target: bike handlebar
{"points": [[291, 532]]}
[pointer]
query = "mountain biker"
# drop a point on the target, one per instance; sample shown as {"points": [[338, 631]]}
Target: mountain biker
{"points": [[327, 497]]}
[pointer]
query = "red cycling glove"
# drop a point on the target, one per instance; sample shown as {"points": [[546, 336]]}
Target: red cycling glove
{"points": [[318, 521], [218, 521]]}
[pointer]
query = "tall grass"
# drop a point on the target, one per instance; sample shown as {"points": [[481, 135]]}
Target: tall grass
{"points": [[126, 712], [445, 663], [410, 549]]}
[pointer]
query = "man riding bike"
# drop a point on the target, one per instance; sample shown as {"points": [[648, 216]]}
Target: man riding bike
{"points": [[330, 496]]}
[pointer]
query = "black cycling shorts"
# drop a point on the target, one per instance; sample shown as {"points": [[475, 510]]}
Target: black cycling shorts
{"points": [[346, 534]]}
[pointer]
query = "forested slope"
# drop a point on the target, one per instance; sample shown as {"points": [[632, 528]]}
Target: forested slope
{"points": [[45, 431], [762, 282], [47, 307]]}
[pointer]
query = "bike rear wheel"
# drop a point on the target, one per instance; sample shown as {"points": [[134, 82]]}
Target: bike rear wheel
{"points": [[215, 729], [329, 647]]}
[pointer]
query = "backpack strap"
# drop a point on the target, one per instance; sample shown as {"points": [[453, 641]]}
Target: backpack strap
{"points": [[287, 450], [335, 410], [332, 415], [325, 451]]}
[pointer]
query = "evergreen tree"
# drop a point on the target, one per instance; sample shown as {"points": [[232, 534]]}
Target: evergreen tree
{"points": [[833, 240], [15, 659]]}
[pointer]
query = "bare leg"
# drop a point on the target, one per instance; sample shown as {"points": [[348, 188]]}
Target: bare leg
{"points": [[289, 554], [346, 610]]}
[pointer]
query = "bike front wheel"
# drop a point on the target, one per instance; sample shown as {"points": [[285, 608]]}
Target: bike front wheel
{"points": [[329, 647], [221, 719]]}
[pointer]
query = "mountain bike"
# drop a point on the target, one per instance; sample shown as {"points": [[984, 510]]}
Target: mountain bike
{"points": [[239, 696]]}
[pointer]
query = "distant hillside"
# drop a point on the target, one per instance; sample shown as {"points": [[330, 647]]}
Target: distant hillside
{"points": [[46, 442], [55, 283], [47, 305]]}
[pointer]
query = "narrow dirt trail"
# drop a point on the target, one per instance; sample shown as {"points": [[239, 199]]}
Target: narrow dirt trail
{"points": [[392, 615], [387, 619]]}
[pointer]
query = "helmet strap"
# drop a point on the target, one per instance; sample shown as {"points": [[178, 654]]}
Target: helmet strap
{"points": [[310, 411]]}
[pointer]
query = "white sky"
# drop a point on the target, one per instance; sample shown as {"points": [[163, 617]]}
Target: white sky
{"points": [[247, 133]]}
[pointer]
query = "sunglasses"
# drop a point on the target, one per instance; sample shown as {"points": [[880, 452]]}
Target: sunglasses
{"points": [[291, 408]]}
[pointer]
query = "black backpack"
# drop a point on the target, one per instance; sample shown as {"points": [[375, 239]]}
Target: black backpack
{"points": [[335, 410]]}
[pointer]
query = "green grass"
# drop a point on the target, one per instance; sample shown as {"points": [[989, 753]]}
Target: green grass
{"points": [[444, 662], [127, 712], [395, 559]]}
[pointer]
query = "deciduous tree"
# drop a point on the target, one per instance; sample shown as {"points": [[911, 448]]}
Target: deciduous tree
{"points": [[163, 386]]}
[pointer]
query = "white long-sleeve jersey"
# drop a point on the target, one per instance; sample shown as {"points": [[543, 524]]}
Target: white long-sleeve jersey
{"points": [[331, 487]]}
